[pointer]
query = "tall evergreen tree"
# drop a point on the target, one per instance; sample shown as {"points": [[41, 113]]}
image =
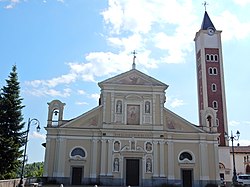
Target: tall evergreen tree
{"points": [[11, 125]]}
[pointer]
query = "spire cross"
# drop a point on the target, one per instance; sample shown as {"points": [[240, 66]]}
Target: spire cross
{"points": [[134, 53], [205, 5]]}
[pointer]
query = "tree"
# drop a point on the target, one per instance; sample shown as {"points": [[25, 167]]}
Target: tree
{"points": [[34, 170], [11, 125]]}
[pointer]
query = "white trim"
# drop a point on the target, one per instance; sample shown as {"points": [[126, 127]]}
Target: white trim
{"points": [[78, 157], [186, 160]]}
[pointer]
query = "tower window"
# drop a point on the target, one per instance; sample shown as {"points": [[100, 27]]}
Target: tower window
{"points": [[214, 87], [207, 57], [210, 71], [215, 105], [209, 121], [215, 71], [216, 58], [212, 57]]}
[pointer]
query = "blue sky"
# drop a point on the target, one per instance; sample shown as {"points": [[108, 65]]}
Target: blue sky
{"points": [[63, 48]]}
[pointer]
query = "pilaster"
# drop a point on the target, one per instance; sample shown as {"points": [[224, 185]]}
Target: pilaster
{"points": [[156, 169]]}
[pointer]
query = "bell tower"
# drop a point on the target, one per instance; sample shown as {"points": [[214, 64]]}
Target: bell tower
{"points": [[210, 76]]}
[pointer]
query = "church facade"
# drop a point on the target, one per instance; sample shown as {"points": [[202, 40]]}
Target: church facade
{"points": [[130, 138]]}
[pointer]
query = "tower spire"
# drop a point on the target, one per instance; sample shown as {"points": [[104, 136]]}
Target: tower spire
{"points": [[134, 53], [207, 23]]}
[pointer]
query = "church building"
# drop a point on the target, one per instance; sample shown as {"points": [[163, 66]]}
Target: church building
{"points": [[131, 139]]}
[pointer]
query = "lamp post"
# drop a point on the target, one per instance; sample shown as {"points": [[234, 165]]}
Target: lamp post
{"points": [[33, 121], [232, 138]]}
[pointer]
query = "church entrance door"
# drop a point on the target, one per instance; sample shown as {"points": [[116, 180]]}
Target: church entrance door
{"points": [[77, 175], [132, 172], [187, 178]]}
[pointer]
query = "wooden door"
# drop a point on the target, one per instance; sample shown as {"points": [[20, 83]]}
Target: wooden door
{"points": [[187, 179], [77, 175], [132, 172]]}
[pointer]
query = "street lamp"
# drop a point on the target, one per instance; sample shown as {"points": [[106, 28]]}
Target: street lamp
{"points": [[33, 121], [232, 138]]}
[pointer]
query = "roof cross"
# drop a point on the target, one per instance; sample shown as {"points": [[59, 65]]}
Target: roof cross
{"points": [[134, 53], [205, 5]]}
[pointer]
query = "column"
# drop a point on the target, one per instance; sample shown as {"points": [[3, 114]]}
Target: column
{"points": [[170, 160], [162, 174], [94, 158], [103, 157], [155, 174]]}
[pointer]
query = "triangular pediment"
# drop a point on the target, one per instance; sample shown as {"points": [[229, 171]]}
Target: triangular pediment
{"points": [[90, 119], [133, 77], [175, 123]]}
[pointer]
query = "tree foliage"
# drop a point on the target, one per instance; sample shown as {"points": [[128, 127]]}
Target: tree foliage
{"points": [[33, 170], [11, 125]]}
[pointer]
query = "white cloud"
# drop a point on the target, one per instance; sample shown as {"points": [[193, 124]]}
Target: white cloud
{"points": [[232, 27], [176, 103], [43, 91], [63, 79], [95, 96], [246, 122], [81, 103], [11, 4], [233, 123], [37, 135], [160, 31], [242, 2], [149, 22], [81, 92]]}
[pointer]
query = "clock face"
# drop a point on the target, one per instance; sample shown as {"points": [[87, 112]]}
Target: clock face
{"points": [[210, 31]]}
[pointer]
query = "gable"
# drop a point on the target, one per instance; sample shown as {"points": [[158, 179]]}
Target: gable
{"points": [[175, 123], [132, 77], [90, 119]]}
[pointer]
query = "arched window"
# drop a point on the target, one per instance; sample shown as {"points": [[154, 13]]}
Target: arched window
{"points": [[207, 57], [214, 71], [215, 105], [216, 58], [212, 57], [185, 155], [78, 152], [209, 121], [210, 71], [55, 117], [214, 87]]}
